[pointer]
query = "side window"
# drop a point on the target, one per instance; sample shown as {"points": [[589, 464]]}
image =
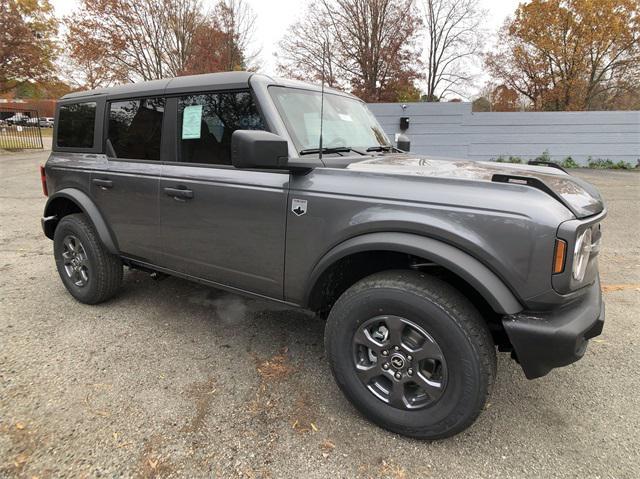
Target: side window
{"points": [[76, 123], [206, 122], [135, 128]]}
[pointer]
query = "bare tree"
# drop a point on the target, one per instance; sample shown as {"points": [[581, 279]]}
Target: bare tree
{"points": [[453, 37], [368, 46], [236, 20], [182, 18], [307, 51]]}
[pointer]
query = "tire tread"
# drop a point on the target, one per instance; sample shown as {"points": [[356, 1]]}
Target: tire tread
{"points": [[456, 306]]}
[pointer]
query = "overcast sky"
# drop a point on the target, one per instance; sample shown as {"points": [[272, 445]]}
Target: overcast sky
{"points": [[274, 16]]}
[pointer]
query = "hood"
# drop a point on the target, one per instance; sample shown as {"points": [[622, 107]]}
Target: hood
{"points": [[580, 197]]}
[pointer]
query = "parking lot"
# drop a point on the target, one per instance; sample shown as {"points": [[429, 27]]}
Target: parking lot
{"points": [[173, 379]]}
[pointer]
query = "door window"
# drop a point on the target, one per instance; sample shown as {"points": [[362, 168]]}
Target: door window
{"points": [[135, 128], [206, 122]]}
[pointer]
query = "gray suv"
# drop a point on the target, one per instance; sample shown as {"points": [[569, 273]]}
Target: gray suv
{"points": [[423, 267]]}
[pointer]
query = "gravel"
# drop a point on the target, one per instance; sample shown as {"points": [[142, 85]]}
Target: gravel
{"points": [[173, 379]]}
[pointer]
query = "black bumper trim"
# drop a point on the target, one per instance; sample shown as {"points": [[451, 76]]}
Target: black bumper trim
{"points": [[49, 225], [546, 340]]}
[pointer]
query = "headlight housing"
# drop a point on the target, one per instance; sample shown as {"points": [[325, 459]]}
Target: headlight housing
{"points": [[581, 254]]}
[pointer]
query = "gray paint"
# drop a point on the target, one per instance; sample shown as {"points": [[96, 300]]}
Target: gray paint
{"points": [[453, 130], [237, 229]]}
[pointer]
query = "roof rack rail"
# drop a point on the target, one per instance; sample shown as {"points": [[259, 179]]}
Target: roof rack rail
{"points": [[550, 164]]}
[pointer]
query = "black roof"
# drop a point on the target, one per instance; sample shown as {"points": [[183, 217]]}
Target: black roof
{"points": [[227, 80], [207, 81]]}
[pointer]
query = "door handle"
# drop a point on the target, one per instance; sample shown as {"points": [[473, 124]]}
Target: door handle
{"points": [[181, 193], [104, 184]]}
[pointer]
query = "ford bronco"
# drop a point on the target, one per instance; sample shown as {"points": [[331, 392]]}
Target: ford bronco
{"points": [[423, 267]]}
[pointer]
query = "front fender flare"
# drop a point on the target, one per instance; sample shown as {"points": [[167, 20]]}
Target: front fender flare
{"points": [[90, 209], [480, 277]]}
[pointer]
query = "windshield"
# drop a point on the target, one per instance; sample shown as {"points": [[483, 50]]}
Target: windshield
{"points": [[346, 122]]}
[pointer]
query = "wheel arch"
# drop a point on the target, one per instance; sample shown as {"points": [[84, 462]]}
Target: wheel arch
{"points": [[394, 248], [69, 201]]}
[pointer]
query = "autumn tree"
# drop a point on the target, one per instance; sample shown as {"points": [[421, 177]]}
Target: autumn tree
{"points": [[368, 47], [453, 38], [128, 40], [27, 42], [504, 98], [570, 54]]}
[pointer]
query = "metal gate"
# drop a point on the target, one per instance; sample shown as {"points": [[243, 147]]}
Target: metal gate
{"points": [[19, 129]]}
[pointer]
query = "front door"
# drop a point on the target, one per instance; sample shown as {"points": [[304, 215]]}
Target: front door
{"points": [[127, 192], [220, 223]]}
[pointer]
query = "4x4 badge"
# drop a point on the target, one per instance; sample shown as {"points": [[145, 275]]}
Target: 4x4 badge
{"points": [[299, 207]]}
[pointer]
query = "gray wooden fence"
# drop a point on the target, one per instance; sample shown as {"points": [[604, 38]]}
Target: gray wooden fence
{"points": [[453, 130]]}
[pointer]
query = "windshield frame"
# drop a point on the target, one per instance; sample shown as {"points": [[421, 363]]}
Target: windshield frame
{"points": [[291, 130]]}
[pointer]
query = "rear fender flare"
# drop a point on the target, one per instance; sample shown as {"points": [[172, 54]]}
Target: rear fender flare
{"points": [[90, 209]]}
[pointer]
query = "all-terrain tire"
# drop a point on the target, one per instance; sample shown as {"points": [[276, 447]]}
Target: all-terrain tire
{"points": [[448, 317], [102, 271]]}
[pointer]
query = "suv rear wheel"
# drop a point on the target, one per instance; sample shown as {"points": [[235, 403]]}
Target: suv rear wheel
{"points": [[411, 353], [89, 272]]}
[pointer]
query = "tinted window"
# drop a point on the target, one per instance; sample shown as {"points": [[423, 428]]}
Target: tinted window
{"points": [[135, 128], [206, 122], [76, 123]]}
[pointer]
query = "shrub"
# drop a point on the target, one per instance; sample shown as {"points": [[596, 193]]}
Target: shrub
{"points": [[511, 159], [544, 157], [600, 163], [569, 162]]}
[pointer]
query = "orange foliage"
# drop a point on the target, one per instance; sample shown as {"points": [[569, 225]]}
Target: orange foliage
{"points": [[570, 54]]}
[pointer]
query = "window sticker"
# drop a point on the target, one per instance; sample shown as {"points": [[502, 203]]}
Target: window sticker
{"points": [[191, 122]]}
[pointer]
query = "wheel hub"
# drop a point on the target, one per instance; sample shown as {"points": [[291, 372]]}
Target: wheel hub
{"points": [[399, 362], [75, 261]]}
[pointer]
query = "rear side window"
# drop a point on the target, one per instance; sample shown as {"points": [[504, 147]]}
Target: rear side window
{"points": [[76, 123], [206, 122], [135, 128]]}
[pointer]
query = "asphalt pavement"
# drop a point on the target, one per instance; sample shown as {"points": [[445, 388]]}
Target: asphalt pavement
{"points": [[173, 379]]}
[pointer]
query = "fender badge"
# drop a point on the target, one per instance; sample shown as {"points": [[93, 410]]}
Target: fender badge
{"points": [[299, 207]]}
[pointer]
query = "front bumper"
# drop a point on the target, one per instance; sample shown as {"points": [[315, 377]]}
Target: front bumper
{"points": [[546, 340]]}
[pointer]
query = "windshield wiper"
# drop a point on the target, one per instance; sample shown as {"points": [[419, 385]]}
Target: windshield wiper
{"points": [[336, 149], [388, 148]]}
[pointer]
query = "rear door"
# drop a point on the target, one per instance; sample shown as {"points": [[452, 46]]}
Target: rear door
{"points": [[127, 192], [220, 223]]}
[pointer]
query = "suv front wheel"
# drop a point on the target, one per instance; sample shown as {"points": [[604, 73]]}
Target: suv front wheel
{"points": [[89, 272], [411, 353]]}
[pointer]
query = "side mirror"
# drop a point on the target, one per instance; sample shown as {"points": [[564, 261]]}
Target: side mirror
{"points": [[403, 143], [258, 149]]}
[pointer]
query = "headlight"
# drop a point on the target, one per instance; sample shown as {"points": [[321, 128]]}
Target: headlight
{"points": [[581, 255]]}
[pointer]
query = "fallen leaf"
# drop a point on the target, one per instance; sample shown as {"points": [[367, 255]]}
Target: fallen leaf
{"points": [[153, 464], [607, 288], [20, 426], [327, 445]]}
